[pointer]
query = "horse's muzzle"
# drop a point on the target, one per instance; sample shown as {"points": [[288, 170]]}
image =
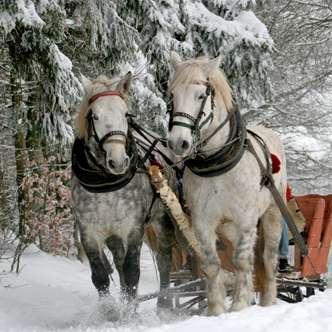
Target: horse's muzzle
{"points": [[118, 167]]}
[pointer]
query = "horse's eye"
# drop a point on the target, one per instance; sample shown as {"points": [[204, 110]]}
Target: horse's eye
{"points": [[202, 96], [95, 116]]}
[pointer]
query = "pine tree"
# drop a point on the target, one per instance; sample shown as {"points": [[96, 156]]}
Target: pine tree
{"points": [[32, 33], [195, 28], [51, 42]]}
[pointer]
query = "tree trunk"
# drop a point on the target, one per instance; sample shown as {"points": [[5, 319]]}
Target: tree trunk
{"points": [[9, 215]]}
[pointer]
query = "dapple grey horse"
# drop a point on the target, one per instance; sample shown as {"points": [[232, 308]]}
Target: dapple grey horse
{"points": [[112, 197]]}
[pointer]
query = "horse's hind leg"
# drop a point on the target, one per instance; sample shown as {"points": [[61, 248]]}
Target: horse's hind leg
{"points": [[271, 223], [99, 274], [244, 260]]}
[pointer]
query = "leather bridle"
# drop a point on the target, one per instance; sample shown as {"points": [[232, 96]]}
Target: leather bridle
{"points": [[196, 124], [91, 125]]}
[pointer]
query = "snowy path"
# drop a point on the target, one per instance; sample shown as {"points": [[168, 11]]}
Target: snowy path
{"points": [[56, 294]]}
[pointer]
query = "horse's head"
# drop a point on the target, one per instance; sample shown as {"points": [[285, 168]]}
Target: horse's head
{"points": [[103, 121], [197, 88]]}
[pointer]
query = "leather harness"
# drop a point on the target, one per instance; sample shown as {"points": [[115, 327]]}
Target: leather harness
{"points": [[231, 153], [91, 174]]}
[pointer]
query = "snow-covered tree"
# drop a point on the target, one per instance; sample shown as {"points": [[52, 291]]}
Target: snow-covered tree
{"points": [[50, 42], [8, 189], [32, 31], [302, 85], [195, 28]]}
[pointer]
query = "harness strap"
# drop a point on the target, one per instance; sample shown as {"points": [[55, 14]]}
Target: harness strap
{"points": [[228, 156], [108, 137], [195, 126], [268, 181], [208, 118], [183, 124], [139, 129], [207, 139], [104, 94]]}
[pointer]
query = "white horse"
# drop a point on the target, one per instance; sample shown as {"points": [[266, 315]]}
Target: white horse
{"points": [[224, 197]]}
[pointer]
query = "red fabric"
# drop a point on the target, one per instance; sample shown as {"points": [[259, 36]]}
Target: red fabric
{"points": [[289, 194], [275, 163]]}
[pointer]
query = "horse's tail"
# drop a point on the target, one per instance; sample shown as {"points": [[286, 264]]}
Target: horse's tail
{"points": [[151, 238], [179, 256], [259, 274]]}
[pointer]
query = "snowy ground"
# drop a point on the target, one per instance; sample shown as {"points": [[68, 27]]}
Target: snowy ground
{"points": [[56, 294]]}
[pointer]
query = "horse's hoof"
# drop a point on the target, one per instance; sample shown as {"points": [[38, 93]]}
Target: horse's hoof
{"points": [[165, 314], [239, 305], [215, 311], [103, 293], [108, 309], [164, 302], [265, 302]]}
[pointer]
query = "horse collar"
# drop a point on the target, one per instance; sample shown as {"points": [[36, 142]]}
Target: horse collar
{"points": [[93, 176], [228, 156]]}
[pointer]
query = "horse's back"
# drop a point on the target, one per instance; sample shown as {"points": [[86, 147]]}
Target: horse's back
{"points": [[272, 140]]}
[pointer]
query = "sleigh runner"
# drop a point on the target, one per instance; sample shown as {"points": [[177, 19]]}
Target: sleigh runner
{"points": [[188, 287]]}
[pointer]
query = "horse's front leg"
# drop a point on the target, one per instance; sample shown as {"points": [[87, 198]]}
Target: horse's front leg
{"points": [[244, 261], [216, 292], [131, 265], [99, 273]]}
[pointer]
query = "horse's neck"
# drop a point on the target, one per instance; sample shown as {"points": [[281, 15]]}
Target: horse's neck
{"points": [[218, 140]]}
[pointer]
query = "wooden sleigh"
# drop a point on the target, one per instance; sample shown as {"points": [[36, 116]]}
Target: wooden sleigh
{"points": [[312, 269], [187, 281]]}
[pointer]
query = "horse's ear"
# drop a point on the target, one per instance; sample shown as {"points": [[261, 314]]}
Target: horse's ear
{"points": [[124, 85], [86, 83], [213, 64], [175, 59]]}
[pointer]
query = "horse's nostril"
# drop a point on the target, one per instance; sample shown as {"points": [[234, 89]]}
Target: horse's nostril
{"points": [[185, 145], [126, 162], [111, 163]]}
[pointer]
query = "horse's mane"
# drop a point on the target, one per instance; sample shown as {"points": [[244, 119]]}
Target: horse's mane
{"points": [[100, 84], [190, 71]]}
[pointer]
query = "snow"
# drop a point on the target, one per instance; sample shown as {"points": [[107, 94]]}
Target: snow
{"points": [[302, 141], [26, 12], [56, 294], [246, 25]]}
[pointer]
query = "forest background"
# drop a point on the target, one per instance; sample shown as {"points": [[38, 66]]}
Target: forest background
{"points": [[277, 56]]}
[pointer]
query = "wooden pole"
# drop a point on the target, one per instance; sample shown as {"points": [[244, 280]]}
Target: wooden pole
{"points": [[171, 201]]}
